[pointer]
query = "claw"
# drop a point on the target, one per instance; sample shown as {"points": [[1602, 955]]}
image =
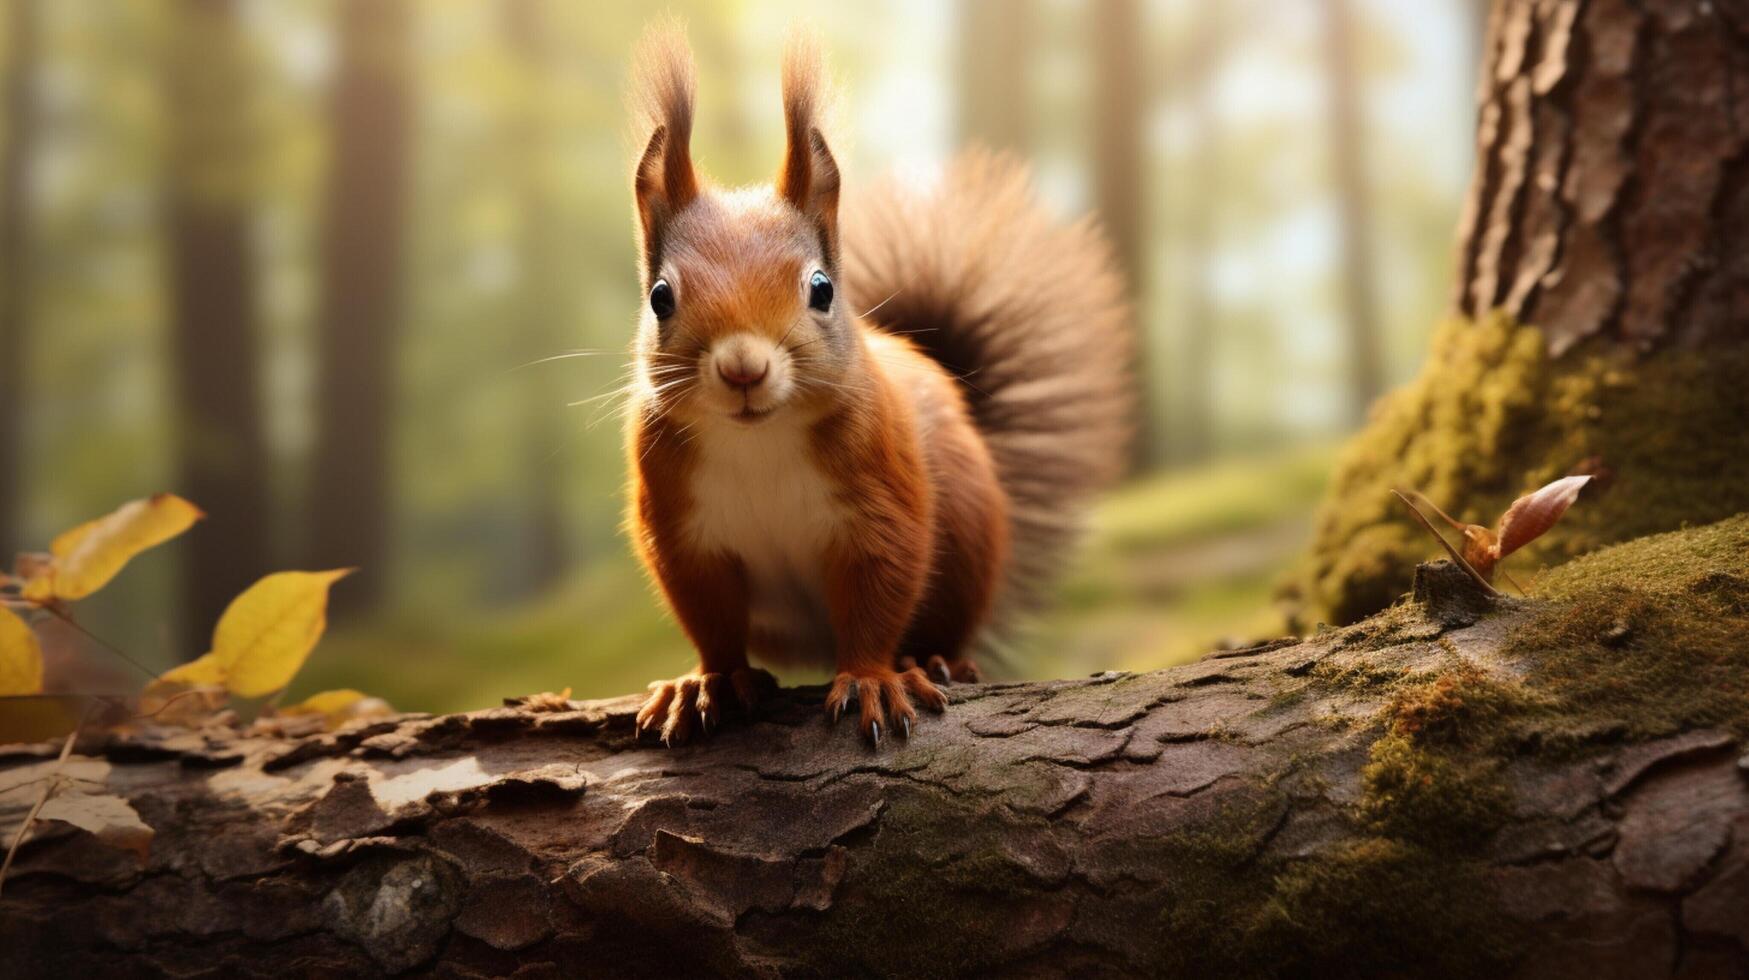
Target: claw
{"points": [[907, 723], [704, 722], [876, 726], [942, 674]]}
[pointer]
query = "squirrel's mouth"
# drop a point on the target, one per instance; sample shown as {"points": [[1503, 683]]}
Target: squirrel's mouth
{"points": [[749, 415]]}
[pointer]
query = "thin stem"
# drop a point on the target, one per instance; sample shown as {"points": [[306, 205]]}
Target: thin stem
{"points": [[1455, 524], [1453, 552], [1521, 589], [100, 641], [51, 784]]}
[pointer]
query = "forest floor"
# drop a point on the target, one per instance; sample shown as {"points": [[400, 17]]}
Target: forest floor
{"points": [[1175, 565]]}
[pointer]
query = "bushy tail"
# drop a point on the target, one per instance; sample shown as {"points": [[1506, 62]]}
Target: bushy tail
{"points": [[1030, 314]]}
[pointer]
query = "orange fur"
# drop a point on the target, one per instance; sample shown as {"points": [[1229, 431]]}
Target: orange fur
{"points": [[803, 481]]}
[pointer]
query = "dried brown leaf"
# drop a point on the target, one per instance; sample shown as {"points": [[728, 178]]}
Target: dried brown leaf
{"points": [[1531, 515], [546, 701], [110, 819], [1479, 545]]}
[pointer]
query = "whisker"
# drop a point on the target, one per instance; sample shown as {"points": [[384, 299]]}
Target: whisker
{"points": [[870, 310], [558, 357]]}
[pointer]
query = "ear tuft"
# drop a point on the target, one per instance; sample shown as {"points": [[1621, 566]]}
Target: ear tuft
{"points": [[809, 179], [664, 89]]}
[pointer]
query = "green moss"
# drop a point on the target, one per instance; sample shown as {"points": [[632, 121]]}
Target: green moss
{"points": [[1493, 416], [1641, 640], [1383, 907], [1440, 798], [1666, 563], [1357, 676], [1375, 905], [1461, 707]]}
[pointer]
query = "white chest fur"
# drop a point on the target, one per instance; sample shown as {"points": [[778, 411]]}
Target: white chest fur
{"points": [[758, 494]]}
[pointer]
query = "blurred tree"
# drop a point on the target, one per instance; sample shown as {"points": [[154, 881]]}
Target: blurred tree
{"points": [[995, 86], [1199, 234], [1348, 141], [207, 71], [540, 306], [1120, 102], [1603, 293], [15, 160], [361, 295]]}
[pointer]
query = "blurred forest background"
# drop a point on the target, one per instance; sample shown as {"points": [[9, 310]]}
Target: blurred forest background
{"points": [[311, 263]]}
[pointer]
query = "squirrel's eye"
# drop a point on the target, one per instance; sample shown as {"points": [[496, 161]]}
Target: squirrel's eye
{"points": [[820, 292], [662, 299]]}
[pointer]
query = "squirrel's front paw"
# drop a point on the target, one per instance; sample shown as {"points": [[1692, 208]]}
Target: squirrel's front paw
{"points": [[885, 696], [695, 702], [960, 670]]}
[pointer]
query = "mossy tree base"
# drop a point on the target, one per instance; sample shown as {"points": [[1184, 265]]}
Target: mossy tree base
{"points": [[1455, 787], [1494, 416]]}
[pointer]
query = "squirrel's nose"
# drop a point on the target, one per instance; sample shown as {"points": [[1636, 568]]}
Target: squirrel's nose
{"points": [[743, 372]]}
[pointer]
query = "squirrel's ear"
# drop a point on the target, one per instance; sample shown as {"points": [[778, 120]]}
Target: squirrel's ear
{"points": [[809, 179], [664, 181]]}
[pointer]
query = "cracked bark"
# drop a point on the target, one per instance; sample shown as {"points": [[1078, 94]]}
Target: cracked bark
{"points": [[1036, 828], [1610, 194]]}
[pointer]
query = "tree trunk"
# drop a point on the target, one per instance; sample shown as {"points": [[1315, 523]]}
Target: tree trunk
{"points": [[1120, 102], [1464, 786], [361, 296], [1353, 210], [995, 85], [1474, 15], [221, 449], [1610, 194], [15, 188], [1604, 294]]}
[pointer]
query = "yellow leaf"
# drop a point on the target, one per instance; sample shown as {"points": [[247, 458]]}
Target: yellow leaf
{"points": [[200, 672], [265, 634], [88, 556], [330, 703], [339, 707], [21, 656], [39, 717]]}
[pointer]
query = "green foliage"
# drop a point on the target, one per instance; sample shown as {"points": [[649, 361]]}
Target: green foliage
{"points": [[602, 633], [1179, 562], [1223, 498], [1492, 416]]}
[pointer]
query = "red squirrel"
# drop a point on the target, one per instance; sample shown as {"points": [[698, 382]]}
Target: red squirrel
{"points": [[857, 435]]}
